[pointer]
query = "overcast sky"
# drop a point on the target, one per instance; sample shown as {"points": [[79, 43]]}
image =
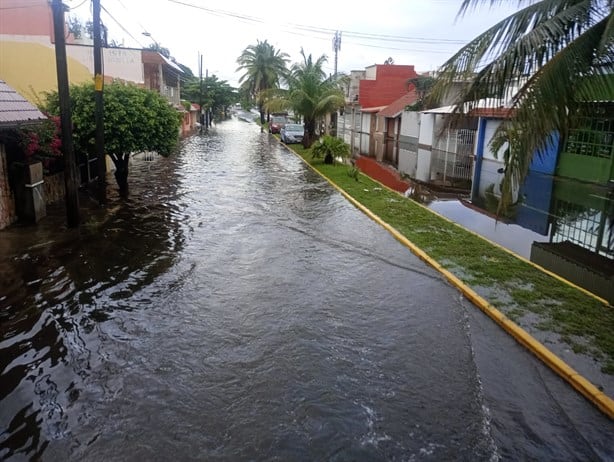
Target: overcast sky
{"points": [[419, 32]]}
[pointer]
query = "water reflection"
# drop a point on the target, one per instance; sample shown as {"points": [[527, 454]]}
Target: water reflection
{"points": [[237, 308], [60, 287]]}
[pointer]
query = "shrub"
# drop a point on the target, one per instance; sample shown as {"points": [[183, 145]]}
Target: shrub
{"points": [[330, 148]]}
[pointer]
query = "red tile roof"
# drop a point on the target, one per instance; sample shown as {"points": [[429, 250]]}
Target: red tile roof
{"points": [[494, 112], [398, 106]]}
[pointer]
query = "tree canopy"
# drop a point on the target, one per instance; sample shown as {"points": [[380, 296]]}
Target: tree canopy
{"points": [[135, 120], [217, 95], [543, 61], [312, 94], [264, 67]]}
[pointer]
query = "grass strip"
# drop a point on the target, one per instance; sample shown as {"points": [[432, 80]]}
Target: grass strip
{"points": [[530, 297]]}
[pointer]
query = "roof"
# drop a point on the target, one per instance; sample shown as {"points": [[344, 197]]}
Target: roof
{"points": [[481, 108], [372, 109], [155, 57], [398, 106], [15, 110]]}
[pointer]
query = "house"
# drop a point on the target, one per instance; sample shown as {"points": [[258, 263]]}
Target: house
{"points": [[27, 46], [369, 92], [436, 150], [581, 209], [15, 112]]}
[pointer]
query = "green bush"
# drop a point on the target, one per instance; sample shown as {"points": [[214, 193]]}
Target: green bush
{"points": [[330, 148]]}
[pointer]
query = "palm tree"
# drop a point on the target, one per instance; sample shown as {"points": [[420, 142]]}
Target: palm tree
{"points": [[264, 66], [558, 53], [422, 86], [312, 95]]}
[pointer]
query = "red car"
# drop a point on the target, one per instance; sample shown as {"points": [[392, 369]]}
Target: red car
{"points": [[277, 123]]}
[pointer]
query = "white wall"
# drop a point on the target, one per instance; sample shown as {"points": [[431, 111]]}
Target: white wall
{"points": [[423, 166], [489, 131], [371, 72], [122, 63], [408, 162], [410, 126], [365, 137]]}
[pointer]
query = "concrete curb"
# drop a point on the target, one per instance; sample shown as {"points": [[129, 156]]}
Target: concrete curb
{"points": [[577, 381]]}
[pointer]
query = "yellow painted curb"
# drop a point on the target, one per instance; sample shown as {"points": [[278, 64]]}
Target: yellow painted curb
{"points": [[577, 381], [495, 244]]}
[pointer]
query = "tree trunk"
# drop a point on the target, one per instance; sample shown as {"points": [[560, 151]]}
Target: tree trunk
{"points": [[310, 133], [261, 110], [121, 172]]}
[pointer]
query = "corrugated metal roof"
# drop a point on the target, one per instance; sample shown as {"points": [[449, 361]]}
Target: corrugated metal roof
{"points": [[15, 110]]}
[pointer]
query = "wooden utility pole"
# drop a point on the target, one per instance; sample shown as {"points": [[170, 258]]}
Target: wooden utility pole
{"points": [[99, 105], [71, 173]]}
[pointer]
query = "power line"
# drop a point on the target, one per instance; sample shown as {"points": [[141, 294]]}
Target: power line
{"points": [[326, 31], [121, 26]]}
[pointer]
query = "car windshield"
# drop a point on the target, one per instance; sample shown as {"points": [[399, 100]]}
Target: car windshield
{"points": [[294, 128], [278, 120]]}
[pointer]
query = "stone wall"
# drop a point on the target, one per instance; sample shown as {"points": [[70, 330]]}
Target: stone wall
{"points": [[54, 188], [7, 199]]}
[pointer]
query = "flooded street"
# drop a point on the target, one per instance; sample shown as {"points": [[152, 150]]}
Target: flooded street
{"points": [[237, 307]]}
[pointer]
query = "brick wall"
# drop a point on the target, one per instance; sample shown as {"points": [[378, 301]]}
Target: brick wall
{"points": [[7, 200]]}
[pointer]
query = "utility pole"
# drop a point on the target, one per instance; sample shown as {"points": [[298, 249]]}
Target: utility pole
{"points": [[71, 173], [200, 90], [207, 121], [336, 48], [99, 105]]}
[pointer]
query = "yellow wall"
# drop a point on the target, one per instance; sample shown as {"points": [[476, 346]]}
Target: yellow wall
{"points": [[30, 69]]}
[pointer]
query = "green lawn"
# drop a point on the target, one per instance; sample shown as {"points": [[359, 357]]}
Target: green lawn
{"points": [[530, 297]]}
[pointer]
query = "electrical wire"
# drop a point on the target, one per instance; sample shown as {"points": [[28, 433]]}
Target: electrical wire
{"points": [[323, 30], [121, 26]]}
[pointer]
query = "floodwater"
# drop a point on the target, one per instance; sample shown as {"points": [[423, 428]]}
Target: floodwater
{"points": [[509, 235], [237, 307]]}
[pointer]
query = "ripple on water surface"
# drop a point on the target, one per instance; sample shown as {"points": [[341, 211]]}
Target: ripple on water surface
{"points": [[235, 308]]}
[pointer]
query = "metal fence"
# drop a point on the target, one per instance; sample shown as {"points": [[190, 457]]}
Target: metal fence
{"points": [[453, 155]]}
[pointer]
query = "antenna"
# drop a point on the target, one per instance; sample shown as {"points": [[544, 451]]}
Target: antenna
{"points": [[336, 47]]}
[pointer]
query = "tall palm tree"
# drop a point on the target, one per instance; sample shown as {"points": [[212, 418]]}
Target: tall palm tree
{"points": [[264, 66], [557, 54], [311, 94]]}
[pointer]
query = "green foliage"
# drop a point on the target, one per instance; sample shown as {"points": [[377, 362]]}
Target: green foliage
{"points": [[422, 86], [264, 67], [311, 94], [330, 148], [135, 119], [212, 93], [554, 55]]}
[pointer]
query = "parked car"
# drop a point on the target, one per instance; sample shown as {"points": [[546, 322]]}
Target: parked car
{"points": [[292, 133], [277, 123]]}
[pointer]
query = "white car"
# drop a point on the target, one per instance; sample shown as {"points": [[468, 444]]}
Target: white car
{"points": [[292, 133]]}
